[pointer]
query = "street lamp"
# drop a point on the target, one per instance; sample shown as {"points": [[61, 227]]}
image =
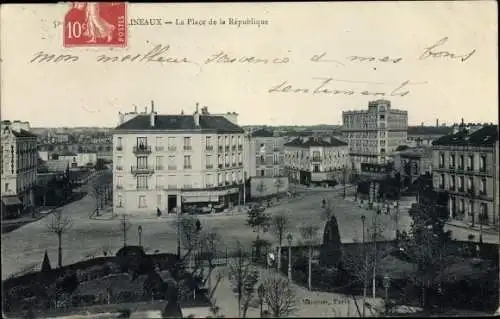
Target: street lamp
{"points": [[363, 218], [387, 284], [261, 292], [139, 231], [178, 211], [289, 238]]}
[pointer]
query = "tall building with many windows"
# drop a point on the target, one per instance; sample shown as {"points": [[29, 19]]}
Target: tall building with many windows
{"points": [[375, 133], [316, 160], [465, 166], [19, 166], [268, 149], [162, 162]]}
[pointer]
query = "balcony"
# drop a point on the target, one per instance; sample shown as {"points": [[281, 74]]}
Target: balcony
{"points": [[172, 167], [240, 163], [227, 182], [451, 166], [240, 147], [142, 187], [209, 148], [471, 191], [160, 187], [460, 168], [160, 167], [227, 165], [172, 148], [221, 149], [135, 170], [316, 159], [159, 148], [276, 149], [461, 189], [470, 168], [119, 148], [209, 166], [188, 167], [119, 186], [233, 148], [188, 147], [226, 148], [119, 168], [482, 169], [221, 165], [142, 149]]}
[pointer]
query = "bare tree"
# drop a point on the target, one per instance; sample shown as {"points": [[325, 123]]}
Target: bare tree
{"points": [[243, 277], [96, 191], [309, 235], [124, 227], [279, 226], [261, 189], [280, 295], [278, 183], [59, 225]]}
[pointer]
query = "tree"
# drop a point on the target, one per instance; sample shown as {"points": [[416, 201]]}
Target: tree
{"points": [[124, 227], [59, 225], [331, 250], [279, 226], [279, 295], [309, 235], [278, 183], [100, 164], [96, 191], [261, 189], [243, 277], [46, 263], [259, 221]]}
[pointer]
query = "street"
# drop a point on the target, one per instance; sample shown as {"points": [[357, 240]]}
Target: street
{"points": [[24, 247]]}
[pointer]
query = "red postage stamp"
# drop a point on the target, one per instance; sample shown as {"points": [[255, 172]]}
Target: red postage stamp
{"points": [[88, 24]]}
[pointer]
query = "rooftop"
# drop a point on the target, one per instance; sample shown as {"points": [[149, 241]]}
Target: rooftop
{"points": [[214, 123], [56, 165], [429, 130], [316, 142], [263, 133], [417, 152], [486, 136]]}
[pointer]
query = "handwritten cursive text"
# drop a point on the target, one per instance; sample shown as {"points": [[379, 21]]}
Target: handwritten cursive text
{"points": [[324, 88], [430, 53], [157, 54], [47, 57], [223, 57]]}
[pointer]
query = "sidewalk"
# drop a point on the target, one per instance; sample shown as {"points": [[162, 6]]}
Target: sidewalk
{"points": [[487, 229]]}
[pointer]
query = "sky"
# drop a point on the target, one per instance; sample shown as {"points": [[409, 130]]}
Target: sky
{"points": [[314, 42]]}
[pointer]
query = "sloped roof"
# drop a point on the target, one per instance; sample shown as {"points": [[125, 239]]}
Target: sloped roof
{"points": [[486, 136], [263, 133], [215, 123], [316, 142], [429, 130]]}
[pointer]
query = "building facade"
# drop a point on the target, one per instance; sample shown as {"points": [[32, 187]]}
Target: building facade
{"points": [[465, 167], [373, 134], [162, 162], [412, 163], [316, 160], [19, 166], [268, 149]]}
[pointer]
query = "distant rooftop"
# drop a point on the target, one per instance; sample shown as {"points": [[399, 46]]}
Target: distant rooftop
{"points": [[429, 130], [316, 142], [486, 136], [263, 133]]}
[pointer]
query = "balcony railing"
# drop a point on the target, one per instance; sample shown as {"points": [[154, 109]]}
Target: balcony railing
{"points": [[172, 167], [160, 187], [119, 148], [482, 169], [119, 186], [187, 167], [172, 148], [142, 149], [209, 148], [160, 167], [240, 163], [316, 159], [470, 168], [119, 168], [460, 168], [142, 187], [141, 170], [188, 147], [209, 166], [159, 148]]}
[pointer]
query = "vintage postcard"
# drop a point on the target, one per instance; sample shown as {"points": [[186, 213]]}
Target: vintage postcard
{"points": [[249, 159]]}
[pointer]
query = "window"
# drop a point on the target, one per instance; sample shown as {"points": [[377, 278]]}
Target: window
{"points": [[187, 161], [441, 160], [483, 186], [461, 183], [171, 163], [262, 159], [461, 162], [119, 201], [159, 143], [470, 163], [159, 181], [382, 116], [452, 182], [209, 161], [119, 143], [159, 162], [158, 200], [316, 168], [470, 183], [187, 143], [219, 178], [316, 156], [262, 172], [171, 143], [119, 182], [142, 142], [142, 162], [240, 158], [482, 163], [142, 201], [452, 161], [441, 181], [471, 207], [142, 182], [208, 142]]}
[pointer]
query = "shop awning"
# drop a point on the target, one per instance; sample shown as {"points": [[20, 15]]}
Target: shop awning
{"points": [[11, 200]]}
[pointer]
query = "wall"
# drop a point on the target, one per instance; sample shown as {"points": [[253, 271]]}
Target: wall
{"points": [[269, 186]]}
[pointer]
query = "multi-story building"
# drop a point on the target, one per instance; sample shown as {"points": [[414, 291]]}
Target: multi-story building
{"points": [[412, 163], [375, 133], [164, 161], [423, 136], [268, 149], [316, 160], [19, 166], [465, 167]]}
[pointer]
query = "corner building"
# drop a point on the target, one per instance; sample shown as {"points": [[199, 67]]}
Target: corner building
{"points": [[162, 162]]}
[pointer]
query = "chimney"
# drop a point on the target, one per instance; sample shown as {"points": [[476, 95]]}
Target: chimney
{"points": [[135, 108], [437, 122], [152, 106], [196, 117], [152, 118]]}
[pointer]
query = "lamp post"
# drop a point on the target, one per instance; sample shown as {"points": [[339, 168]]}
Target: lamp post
{"points": [[289, 238], [178, 209], [261, 292], [139, 231], [387, 284], [363, 218]]}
